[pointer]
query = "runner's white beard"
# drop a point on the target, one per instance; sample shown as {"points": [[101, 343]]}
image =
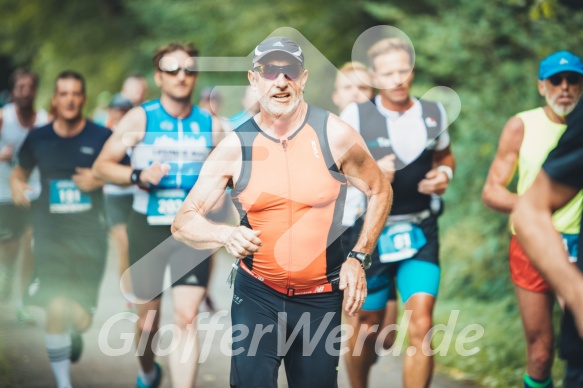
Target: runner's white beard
{"points": [[279, 111], [561, 110]]}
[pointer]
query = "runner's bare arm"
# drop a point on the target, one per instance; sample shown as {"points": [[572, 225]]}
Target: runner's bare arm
{"points": [[129, 132], [190, 225], [532, 218], [444, 157], [495, 194], [19, 186], [436, 181], [219, 131], [353, 159]]}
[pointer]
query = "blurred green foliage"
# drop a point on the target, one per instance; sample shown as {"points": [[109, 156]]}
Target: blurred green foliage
{"points": [[488, 52]]}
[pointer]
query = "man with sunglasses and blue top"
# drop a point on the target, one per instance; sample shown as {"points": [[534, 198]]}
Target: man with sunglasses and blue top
{"points": [[525, 142], [170, 139]]}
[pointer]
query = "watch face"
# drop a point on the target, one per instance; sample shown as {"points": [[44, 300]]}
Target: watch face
{"points": [[364, 258], [366, 261]]}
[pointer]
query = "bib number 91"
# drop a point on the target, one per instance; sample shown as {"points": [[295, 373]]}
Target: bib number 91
{"points": [[402, 241]]}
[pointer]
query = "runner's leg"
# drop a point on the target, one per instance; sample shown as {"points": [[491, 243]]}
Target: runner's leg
{"points": [[184, 359], [536, 311]]}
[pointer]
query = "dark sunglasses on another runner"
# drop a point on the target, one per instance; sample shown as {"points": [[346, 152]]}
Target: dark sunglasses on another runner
{"points": [[189, 71], [169, 65], [271, 72], [572, 79]]}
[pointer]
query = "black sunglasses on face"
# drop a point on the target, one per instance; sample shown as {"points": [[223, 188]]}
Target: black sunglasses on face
{"points": [[174, 71], [271, 72], [572, 79]]}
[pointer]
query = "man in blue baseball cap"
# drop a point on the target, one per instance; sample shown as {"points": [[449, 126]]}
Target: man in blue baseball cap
{"points": [[553, 72], [525, 142]]}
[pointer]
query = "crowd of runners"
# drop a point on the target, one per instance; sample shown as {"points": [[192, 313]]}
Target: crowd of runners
{"points": [[329, 218]]}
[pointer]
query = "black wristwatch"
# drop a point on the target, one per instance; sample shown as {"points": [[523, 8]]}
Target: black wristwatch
{"points": [[364, 258], [135, 177]]}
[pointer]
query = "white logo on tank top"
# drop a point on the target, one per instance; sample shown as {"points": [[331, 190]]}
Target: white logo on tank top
{"points": [[315, 148], [430, 122], [192, 279], [166, 126]]}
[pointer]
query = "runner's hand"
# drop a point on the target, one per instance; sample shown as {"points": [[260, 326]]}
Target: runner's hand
{"points": [[242, 241], [19, 190], [435, 182], [6, 154], [85, 180], [387, 166], [353, 282], [154, 173]]}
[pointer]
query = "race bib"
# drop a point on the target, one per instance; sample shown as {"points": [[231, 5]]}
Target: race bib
{"points": [[163, 205], [65, 197], [571, 242], [400, 241], [182, 175]]}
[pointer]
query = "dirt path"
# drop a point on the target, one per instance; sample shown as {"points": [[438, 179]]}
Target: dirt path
{"points": [[27, 359]]}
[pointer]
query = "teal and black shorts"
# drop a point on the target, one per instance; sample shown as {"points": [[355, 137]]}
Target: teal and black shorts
{"points": [[418, 274]]}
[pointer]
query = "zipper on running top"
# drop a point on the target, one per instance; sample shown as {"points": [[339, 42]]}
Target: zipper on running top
{"points": [[180, 143], [289, 207]]}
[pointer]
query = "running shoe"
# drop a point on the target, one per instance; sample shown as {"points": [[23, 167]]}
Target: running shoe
{"points": [[155, 383]]}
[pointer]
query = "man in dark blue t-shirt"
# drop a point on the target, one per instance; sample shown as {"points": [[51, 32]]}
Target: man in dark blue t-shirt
{"points": [[558, 182], [70, 239]]}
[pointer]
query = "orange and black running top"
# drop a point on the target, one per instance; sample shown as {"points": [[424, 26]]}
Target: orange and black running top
{"points": [[292, 191]]}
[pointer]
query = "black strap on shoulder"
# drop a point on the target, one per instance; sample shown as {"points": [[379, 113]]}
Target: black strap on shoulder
{"points": [[246, 132], [431, 118], [318, 119]]}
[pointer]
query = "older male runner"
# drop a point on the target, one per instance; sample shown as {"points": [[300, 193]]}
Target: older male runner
{"points": [[559, 182], [287, 167], [526, 140]]}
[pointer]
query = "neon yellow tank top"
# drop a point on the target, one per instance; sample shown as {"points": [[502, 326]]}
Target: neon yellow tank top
{"points": [[541, 135]]}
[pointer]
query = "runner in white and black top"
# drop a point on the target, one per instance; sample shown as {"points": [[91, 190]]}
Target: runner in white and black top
{"points": [[407, 138]]}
